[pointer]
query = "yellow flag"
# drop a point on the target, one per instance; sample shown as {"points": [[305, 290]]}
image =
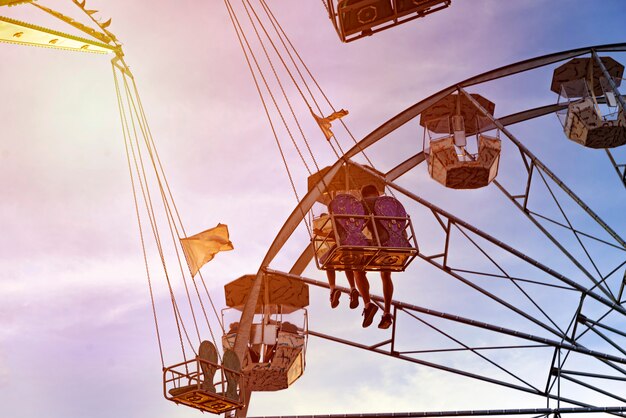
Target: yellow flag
{"points": [[337, 115], [199, 249], [325, 123]]}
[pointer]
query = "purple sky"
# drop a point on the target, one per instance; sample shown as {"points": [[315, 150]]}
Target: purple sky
{"points": [[76, 329]]}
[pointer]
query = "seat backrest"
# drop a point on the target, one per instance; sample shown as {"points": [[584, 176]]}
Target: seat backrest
{"points": [[208, 353], [359, 15], [394, 229], [230, 361], [349, 229]]}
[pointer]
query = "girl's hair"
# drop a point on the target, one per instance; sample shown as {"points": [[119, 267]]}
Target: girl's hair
{"points": [[369, 190]]}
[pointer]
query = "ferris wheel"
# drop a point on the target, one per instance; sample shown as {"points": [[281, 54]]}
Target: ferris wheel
{"points": [[529, 303], [453, 120], [566, 307]]}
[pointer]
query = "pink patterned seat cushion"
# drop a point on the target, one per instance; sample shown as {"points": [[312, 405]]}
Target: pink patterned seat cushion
{"points": [[395, 228], [349, 229]]}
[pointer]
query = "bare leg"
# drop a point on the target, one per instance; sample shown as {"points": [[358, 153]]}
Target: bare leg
{"points": [[330, 274], [363, 285], [387, 289], [335, 294], [364, 289], [350, 277], [354, 294]]}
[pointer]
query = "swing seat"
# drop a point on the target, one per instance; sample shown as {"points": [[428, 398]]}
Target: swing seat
{"points": [[445, 167], [347, 248], [420, 7], [350, 249], [191, 382], [350, 219], [361, 15], [393, 224]]}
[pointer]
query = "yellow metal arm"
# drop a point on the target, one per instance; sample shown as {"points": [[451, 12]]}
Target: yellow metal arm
{"points": [[17, 32], [84, 28], [14, 2]]}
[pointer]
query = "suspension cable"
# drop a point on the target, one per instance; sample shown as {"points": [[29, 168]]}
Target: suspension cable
{"points": [[143, 181], [284, 34], [276, 27], [242, 38], [171, 197], [290, 75], [143, 245], [166, 208]]}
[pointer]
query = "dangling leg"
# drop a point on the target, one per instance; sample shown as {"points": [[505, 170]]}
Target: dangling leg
{"points": [[364, 289], [354, 294], [334, 292], [363, 285], [387, 318], [208, 353]]}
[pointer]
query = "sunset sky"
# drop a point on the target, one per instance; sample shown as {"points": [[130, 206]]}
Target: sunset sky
{"points": [[77, 335]]}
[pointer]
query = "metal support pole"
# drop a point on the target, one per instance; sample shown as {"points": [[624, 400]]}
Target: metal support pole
{"points": [[469, 413], [610, 80], [467, 321]]}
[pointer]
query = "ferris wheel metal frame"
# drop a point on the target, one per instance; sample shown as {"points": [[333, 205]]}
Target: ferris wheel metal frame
{"points": [[563, 342]]}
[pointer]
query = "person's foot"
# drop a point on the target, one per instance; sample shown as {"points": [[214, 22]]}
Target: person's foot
{"points": [[368, 314], [385, 321], [334, 298], [354, 298]]}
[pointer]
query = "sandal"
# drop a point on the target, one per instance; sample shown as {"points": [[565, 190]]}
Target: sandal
{"points": [[385, 321], [368, 314], [354, 298], [334, 298]]}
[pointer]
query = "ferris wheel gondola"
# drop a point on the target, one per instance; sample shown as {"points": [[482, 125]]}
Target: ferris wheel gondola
{"points": [[448, 124], [579, 83], [275, 358]]}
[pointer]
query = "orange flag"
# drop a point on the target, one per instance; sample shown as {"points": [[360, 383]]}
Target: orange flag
{"points": [[199, 249], [326, 123]]}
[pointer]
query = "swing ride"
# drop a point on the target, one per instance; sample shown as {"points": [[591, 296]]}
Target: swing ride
{"points": [[355, 19], [465, 146]]}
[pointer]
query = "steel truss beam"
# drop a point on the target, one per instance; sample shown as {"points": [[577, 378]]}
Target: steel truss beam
{"points": [[533, 163], [459, 319], [620, 168], [408, 308], [468, 413]]}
